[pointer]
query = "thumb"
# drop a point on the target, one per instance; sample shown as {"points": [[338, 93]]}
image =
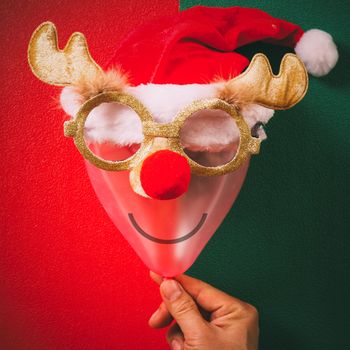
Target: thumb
{"points": [[182, 307]]}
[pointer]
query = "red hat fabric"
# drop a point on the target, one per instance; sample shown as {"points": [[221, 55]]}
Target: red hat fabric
{"points": [[197, 45], [173, 61]]}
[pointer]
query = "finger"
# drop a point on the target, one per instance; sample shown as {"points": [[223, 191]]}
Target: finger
{"points": [[208, 297], [161, 317], [175, 337], [158, 279], [155, 277], [182, 307]]}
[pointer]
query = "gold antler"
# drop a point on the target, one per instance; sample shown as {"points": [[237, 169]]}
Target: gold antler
{"points": [[280, 91], [60, 67]]}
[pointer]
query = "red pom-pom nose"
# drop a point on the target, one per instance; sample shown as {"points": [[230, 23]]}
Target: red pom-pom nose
{"points": [[165, 175]]}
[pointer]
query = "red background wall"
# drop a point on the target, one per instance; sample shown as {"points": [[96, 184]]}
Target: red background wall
{"points": [[68, 278]]}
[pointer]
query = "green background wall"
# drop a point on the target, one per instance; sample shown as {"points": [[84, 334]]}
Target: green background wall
{"points": [[284, 247]]}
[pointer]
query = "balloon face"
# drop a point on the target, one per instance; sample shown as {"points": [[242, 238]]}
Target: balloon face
{"points": [[168, 235], [167, 190]]}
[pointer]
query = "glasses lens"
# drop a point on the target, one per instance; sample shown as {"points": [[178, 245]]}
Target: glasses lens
{"points": [[210, 137], [113, 131]]}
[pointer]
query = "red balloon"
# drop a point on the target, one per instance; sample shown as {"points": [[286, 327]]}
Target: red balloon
{"points": [[168, 235]]}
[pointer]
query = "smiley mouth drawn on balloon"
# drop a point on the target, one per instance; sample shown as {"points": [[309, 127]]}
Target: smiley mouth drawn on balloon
{"points": [[168, 241]]}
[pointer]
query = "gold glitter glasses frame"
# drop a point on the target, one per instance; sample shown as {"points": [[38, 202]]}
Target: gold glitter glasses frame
{"points": [[75, 128]]}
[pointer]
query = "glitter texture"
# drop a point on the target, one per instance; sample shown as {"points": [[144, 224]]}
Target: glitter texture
{"points": [[60, 67], [160, 136], [280, 91]]}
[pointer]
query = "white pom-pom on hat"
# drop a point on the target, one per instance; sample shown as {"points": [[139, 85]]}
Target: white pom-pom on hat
{"points": [[318, 51]]}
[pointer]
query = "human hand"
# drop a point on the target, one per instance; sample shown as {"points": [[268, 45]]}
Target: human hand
{"points": [[231, 323]]}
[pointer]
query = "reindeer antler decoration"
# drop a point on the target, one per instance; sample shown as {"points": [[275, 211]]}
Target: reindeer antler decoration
{"points": [[60, 67], [74, 62], [259, 85]]}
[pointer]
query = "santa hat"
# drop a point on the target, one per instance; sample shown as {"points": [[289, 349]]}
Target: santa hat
{"points": [[199, 44], [174, 60]]}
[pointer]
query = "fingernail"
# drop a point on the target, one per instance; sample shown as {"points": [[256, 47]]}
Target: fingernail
{"points": [[154, 315], [176, 345], [171, 289]]}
